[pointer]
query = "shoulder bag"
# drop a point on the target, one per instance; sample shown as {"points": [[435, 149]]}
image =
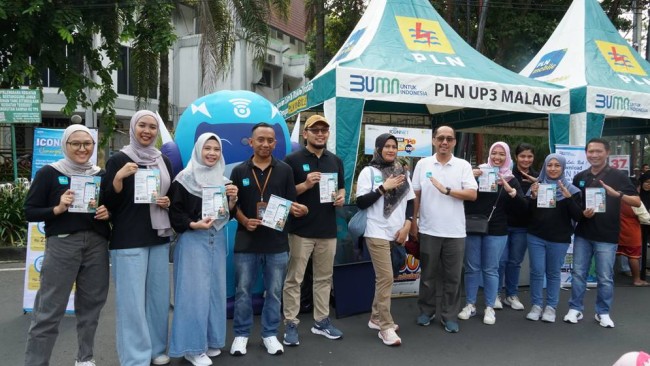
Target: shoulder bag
{"points": [[477, 224], [357, 223]]}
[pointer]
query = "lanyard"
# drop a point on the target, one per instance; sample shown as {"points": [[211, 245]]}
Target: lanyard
{"points": [[262, 189]]}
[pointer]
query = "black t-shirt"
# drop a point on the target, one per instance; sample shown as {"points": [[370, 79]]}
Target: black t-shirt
{"points": [[555, 224], [280, 183], [45, 193], [518, 218], [185, 208], [131, 221], [603, 227], [498, 225], [320, 222]]}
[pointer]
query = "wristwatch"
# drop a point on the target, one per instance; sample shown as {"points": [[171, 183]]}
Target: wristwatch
{"points": [[448, 191], [620, 194]]}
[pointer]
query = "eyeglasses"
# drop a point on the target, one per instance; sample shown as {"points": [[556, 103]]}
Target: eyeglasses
{"points": [[443, 138], [77, 145], [316, 131]]}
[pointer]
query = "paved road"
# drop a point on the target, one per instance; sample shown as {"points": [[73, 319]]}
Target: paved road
{"points": [[512, 341]]}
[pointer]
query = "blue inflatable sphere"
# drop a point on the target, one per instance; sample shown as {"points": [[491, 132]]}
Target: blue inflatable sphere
{"points": [[230, 114]]}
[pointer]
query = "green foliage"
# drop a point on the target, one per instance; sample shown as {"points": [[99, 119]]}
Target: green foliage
{"points": [[13, 225]]}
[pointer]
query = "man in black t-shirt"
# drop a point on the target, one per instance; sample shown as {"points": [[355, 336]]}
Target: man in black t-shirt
{"points": [[596, 235], [320, 186]]}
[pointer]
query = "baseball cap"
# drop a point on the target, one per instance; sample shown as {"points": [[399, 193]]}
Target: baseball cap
{"points": [[315, 119]]}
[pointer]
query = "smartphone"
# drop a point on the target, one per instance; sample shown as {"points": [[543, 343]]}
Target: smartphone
{"points": [[89, 192]]}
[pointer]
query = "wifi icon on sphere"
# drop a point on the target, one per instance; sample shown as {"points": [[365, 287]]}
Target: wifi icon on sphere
{"points": [[241, 107]]}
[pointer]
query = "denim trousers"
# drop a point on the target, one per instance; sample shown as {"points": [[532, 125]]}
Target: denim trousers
{"points": [[510, 263], [322, 252], [546, 259], [605, 256], [379, 250], [199, 319], [80, 257], [142, 302], [247, 266], [440, 257], [482, 254]]}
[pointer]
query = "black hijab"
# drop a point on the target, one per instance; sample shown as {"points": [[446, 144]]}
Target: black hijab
{"points": [[393, 197]]}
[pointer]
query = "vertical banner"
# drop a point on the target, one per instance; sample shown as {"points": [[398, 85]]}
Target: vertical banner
{"points": [[47, 149]]}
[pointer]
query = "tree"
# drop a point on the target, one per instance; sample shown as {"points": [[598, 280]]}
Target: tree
{"points": [[37, 35]]}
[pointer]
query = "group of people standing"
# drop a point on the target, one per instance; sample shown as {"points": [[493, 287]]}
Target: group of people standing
{"points": [[430, 208], [516, 223], [137, 238]]}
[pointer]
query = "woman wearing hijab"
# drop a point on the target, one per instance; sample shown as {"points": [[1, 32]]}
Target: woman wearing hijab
{"points": [[549, 234], [75, 251], [483, 251], [385, 191], [140, 246], [199, 323]]}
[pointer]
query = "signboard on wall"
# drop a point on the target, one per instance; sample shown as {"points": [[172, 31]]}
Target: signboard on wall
{"points": [[411, 142]]}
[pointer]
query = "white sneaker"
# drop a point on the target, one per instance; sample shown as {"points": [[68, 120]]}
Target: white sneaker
{"points": [[199, 360], [389, 337], [535, 313], [489, 317], [273, 346], [213, 352], [238, 347], [497, 303], [375, 326], [605, 321], [573, 316], [514, 302], [468, 311], [85, 363], [161, 360], [549, 314]]}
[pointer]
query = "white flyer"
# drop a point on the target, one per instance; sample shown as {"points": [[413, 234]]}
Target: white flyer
{"points": [[276, 213], [595, 198], [328, 187], [546, 195], [86, 193], [147, 185], [215, 203], [487, 181]]}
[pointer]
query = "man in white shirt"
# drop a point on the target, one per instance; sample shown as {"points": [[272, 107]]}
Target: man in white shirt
{"points": [[441, 183]]}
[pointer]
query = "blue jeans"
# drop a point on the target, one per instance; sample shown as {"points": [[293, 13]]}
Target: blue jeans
{"points": [[199, 292], [247, 266], [142, 302], [546, 258], [510, 263], [605, 254], [482, 253]]}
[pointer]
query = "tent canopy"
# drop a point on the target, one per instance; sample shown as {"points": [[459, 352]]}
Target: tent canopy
{"points": [[607, 77], [402, 51]]}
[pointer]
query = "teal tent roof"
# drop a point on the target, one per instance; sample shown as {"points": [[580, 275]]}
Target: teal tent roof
{"points": [[587, 54], [402, 51]]}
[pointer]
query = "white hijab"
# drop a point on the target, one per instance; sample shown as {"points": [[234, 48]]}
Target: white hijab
{"points": [[197, 175], [151, 157], [67, 166]]}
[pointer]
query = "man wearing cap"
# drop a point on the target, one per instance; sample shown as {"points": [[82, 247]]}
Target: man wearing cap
{"points": [[318, 174]]}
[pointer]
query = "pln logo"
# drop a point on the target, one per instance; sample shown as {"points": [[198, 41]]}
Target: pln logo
{"points": [[620, 58], [548, 63], [423, 35]]}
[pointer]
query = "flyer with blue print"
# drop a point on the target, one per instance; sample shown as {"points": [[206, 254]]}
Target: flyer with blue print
{"points": [[546, 195], [147, 185], [276, 213], [327, 187], [487, 181], [214, 202], [86, 193], [595, 199]]}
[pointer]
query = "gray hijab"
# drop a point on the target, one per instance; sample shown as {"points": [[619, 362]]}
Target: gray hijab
{"points": [[67, 166]]}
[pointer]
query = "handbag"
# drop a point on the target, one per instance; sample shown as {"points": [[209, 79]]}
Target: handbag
{"points": [[412, 248], [478, 224], [357, 223], [397, 257]]}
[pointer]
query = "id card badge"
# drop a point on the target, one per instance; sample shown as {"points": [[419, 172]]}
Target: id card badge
{"points": [[261, 208]]}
